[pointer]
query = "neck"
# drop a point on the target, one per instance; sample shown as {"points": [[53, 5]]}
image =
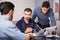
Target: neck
{"points": [[6, 16], [27, 21]]}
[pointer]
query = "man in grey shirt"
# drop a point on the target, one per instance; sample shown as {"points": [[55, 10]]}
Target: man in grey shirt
{"points": [[45, 14]]}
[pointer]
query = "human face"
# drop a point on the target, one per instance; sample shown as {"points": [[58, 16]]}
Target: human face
{"points": [[44, 10], [27, 15]]}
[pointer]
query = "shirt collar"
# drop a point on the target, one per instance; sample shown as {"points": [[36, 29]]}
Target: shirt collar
{"points": [[24, 21], [3, 17]]}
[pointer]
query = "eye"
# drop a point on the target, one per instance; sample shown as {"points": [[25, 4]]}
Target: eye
{"points": [[29, 14]]}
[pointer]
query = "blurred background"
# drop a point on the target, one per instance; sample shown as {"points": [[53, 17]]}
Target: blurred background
{"points": [[20, 5]]}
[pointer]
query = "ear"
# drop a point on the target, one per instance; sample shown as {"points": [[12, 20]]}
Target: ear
{"points": [[10, 12]]}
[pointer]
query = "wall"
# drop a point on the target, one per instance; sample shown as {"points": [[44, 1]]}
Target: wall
{"points": [[39, 2], [20, 5]]}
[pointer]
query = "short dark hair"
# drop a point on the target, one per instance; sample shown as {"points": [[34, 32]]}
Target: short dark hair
{"points": [[5, 7], [46, 4], [28, 10]]}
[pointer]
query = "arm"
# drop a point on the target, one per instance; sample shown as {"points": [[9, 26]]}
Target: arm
{"points": [[37, 27], [34, 14], [14, 33], [19, 25], [52, 18]]}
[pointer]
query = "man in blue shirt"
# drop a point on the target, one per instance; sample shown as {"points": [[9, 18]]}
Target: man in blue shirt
{"points": [[8, 31], [45, 15], [26, 25]]}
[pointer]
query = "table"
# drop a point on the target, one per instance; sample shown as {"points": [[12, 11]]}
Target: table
{"points": [[48, 37]]}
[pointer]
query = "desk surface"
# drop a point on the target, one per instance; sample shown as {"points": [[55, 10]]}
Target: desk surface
{"points": [[47, 36]]}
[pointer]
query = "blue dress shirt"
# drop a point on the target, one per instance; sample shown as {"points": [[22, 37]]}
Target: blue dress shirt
{"points": [[8, 31], [44, 19]]}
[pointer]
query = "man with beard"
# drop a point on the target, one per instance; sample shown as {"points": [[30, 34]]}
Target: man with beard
{"points": [[26, 25], [9, 31]]}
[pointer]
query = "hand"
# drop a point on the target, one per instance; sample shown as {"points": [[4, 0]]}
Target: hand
{"points": [[54, 32], [28, 30], [28, 36], [42, 33]]}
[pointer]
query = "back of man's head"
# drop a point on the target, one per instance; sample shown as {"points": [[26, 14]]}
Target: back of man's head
{"points": [[5, 7]]}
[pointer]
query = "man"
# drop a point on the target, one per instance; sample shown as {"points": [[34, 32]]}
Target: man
{"points": [[26, 25], [8, 31], [45, 15]]}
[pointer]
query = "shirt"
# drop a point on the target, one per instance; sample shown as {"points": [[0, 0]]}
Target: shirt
{"points": [[8, 31], [22, 25], [44, 19]]}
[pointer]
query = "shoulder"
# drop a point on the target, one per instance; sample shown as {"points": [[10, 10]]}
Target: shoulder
{"points": [[10, 23], [32, 21], [19, 22], [6, 23], [50, 9], [36, 8]]}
